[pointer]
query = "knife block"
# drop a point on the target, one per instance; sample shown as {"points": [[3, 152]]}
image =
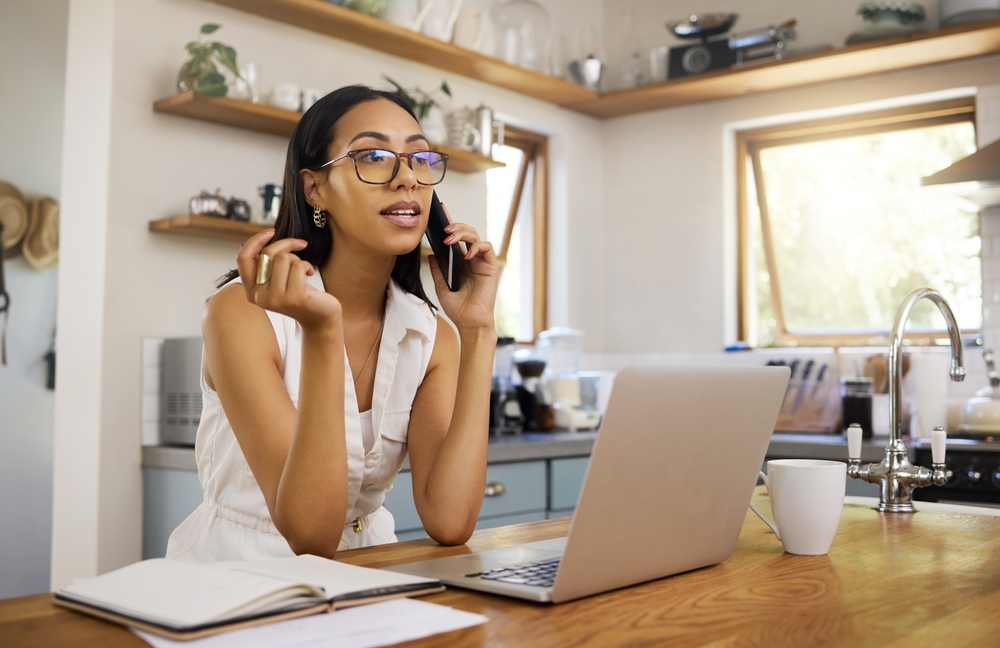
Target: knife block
{"points": [[810, 408]]}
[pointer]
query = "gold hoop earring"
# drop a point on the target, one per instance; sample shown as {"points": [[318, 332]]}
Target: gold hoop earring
{"points": [[319, 217]]}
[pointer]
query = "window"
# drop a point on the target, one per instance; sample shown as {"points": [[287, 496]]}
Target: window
{"points": [[516, 223], [835, 229]]}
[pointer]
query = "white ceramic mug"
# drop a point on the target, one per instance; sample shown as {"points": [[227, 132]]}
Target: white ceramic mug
{"points": [[286, 95], [807, 497]]}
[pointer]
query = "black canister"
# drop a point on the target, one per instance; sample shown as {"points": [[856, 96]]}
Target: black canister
{"points": [[856, 403]]}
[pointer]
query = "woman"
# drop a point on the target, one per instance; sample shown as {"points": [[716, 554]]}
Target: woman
{"points": [[328, 363]]}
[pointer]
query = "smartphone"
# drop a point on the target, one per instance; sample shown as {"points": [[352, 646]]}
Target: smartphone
{"points": [[450, 258]]}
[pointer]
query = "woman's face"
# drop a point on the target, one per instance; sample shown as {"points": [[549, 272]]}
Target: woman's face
{"points": [[387, 218]]}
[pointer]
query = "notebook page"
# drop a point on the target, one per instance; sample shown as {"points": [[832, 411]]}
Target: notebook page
{"points": [[183, 595], [336, 578]]}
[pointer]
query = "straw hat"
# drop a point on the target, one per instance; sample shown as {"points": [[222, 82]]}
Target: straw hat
{"points": [[14, 216], [41, 243]]}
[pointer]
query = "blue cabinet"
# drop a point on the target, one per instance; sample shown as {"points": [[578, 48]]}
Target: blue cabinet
{"points": [[516, 492]]}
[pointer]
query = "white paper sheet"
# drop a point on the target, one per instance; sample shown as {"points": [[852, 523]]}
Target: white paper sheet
{"points": [[364, 626]]}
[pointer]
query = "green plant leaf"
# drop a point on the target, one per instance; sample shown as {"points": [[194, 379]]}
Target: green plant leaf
{"points": [[209, 28], [445, 89], [227, 56], [211, 84]]}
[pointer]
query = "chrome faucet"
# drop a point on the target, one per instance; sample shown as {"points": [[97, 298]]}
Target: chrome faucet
{"points": [[895, 475]]}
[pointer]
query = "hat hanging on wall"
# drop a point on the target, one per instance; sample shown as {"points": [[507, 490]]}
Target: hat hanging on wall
{"points": [[41, 243], [14, 215]]}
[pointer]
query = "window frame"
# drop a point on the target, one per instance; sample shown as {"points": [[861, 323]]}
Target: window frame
{"points": [[535, 147], [749, 144]]}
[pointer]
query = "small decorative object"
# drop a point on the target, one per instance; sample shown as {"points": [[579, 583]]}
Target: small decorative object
{"points": [[428, 110], [370, 7], [588, 72], [523, 35], [707, 55], [201, 73], [888, 18], [237, 209], [286, 95], [209, 204], [271, 193], [462, 132], [437, 18], [309, 97], [247, 87]]}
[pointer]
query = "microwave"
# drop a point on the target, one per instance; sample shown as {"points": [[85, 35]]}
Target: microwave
{"points": [[180, 390]]}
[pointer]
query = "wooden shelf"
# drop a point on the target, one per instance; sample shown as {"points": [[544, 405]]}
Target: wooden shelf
{"points": [[916, 50], [352, 26], [277, 121], [213, 227], [904, 52]]}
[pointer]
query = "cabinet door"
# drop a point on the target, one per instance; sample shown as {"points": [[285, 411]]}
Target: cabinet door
{"points": [[565, 481], [168, 496], [399, 501], [511, 489]]}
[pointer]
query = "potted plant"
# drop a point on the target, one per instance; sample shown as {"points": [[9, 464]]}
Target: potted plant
{"points": [[427, 108], [201, 72]]}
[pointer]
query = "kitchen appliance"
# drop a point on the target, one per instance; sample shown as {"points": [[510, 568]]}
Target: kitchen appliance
{"points": [[505, 411], [980, 414], [764, 43], [563, 349], [180, 390], [975, 467], [568, 407], [271, 193], [537, 414], [704, 56], [976, 177]]}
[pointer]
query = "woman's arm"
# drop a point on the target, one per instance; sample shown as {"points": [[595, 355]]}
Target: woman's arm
{"points": [[449, 421], [298, 455]]}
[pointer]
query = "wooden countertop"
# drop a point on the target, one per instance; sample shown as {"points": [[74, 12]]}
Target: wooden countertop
{"points": [[889, 580]]}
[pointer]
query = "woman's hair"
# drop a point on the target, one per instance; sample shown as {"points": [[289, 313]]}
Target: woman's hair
{"points": [[308, 149]]}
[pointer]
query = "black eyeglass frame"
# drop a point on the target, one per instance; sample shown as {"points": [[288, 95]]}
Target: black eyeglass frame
{"points": [[395, 169]]}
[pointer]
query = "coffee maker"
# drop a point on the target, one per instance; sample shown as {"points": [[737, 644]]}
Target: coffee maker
{"points": [[538, 415], [505, 411]]}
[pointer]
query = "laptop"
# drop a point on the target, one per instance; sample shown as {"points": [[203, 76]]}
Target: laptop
{"points": [[666, 491]]}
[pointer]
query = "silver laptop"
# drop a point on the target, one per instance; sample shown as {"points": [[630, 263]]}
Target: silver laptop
{"points": [[666, 491]]}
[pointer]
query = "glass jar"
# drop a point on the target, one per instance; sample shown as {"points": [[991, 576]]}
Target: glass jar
{"points": [[563, 348], [523, 35], [856, 403]]}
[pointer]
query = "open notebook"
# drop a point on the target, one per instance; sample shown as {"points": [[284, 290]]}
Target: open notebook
{"points": [[187, 601]]}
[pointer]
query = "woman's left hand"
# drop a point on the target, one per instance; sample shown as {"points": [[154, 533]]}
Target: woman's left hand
{"points": [[471, 306]]}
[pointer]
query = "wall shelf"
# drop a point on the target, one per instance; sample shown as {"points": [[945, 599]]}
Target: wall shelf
{"points": [[901, 53], [202, 226], [277, 121]]}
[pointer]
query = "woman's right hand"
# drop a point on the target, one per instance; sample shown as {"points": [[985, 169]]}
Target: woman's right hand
{"points": [[286, 291]]}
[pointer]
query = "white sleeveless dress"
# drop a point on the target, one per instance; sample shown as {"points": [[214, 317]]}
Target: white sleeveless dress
{"points": [[233, 523]]}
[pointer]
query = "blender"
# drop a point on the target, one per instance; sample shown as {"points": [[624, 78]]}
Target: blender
{"points": [[563, 348]]}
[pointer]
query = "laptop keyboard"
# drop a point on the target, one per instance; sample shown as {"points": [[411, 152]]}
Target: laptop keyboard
{"points": [[539, 574]]}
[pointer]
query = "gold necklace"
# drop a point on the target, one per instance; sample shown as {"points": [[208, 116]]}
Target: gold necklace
{"points": [[372, 352]]}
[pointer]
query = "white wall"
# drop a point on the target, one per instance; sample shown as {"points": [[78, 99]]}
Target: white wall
{"points": [[671, 232], [31, 102], [155, 285]]}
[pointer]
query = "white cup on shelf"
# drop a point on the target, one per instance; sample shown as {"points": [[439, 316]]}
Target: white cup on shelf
{"points": [[286, 95]]}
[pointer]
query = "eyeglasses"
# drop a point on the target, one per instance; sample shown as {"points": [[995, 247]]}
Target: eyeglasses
{"points": [[378, 166]]}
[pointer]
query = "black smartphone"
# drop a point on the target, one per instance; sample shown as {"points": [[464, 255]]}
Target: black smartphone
{"points": [[449, 257]]}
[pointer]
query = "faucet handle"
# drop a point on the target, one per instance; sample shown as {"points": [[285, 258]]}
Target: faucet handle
{"points": [[854, 441], [939, 440]]}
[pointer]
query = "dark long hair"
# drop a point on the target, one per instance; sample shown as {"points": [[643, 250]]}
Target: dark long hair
{"points": [[308, 149]]}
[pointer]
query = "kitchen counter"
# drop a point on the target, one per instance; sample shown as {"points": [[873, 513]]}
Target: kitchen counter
{"points": [[502, 449], [551, 445], [931, 578]]}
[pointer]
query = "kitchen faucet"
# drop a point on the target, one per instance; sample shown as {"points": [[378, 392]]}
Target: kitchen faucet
{"points": [[895, 475]]}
